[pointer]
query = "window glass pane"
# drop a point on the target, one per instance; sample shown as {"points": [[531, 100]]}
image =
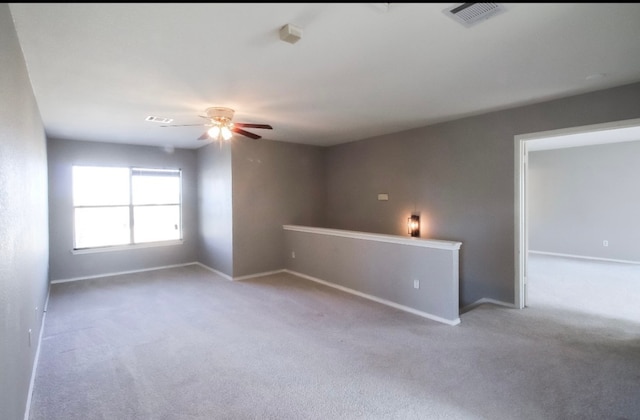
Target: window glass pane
{"points": [[101, 226], [156, 186], [156, 223], [98, 186]]}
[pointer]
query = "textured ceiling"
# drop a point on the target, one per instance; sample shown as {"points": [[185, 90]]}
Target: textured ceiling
{"points": [[360, 69]]}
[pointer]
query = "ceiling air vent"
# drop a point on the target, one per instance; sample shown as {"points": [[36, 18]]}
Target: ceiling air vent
{"points": [[468, 14], [159, 119]]}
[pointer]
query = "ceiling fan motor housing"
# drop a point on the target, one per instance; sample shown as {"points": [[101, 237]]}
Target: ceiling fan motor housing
{"points": [[220, 113]]}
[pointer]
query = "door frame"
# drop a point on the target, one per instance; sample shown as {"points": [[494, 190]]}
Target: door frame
{"points": [[611, 132]]}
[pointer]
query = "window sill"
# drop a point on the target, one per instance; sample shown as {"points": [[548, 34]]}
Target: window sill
{"points": [[126, 247]]}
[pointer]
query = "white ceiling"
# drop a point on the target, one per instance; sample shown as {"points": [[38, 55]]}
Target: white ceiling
{"points": [[360, 69]]}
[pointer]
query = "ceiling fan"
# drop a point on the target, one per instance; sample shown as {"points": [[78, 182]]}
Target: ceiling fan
{"points": [[221, 126]]}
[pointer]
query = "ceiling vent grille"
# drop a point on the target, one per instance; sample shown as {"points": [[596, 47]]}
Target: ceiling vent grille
{"points": [[158, 119], [469, 14]]}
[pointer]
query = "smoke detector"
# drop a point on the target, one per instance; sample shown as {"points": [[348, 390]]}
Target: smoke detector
{"points": [[469, 14], [290, 33]]}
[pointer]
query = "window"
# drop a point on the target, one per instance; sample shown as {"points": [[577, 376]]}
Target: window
{"points": [[125, 206]]}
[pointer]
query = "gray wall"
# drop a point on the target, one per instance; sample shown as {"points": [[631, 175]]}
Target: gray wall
{"points": [[215, 207], [24, 240], [459, 176], [274, 183], [580, 196], [65, 153], [380, 268]]}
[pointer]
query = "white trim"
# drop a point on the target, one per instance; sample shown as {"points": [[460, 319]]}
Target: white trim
{"points": [[36, 359], [588, 135], [240, 278], [220, 273], [376, 299], [266, 273], [487, 300], [97, 276], [427, 243], [127, 247], [520, 229], [557, 254]]}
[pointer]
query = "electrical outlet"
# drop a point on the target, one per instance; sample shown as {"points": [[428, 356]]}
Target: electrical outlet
{"points": [[416, 284], [293, 254], [605, 243]]}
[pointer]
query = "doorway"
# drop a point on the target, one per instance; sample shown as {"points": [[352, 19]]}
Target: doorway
{"points": [[614, 132]]}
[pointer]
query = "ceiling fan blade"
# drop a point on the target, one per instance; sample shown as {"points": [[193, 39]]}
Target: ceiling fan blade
{"points": [[204, 136], [245, 125], [245, 133]]}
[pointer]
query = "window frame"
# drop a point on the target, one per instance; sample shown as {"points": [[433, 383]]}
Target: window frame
{"points": [[131, 206]]}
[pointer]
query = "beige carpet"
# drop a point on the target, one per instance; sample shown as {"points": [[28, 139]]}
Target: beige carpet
{"points": [[185, 344], [601, 288]]}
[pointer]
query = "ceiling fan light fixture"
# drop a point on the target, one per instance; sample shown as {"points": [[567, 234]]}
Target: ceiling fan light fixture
{"points": [[225, 132], [214, 132], [221, 130]]}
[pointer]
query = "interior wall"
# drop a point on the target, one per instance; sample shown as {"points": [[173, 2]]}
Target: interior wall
{"points": [[459, 176], [579, 197], [215, 207], [65, 153], [383, 268], [24, 241], [274, 183]]}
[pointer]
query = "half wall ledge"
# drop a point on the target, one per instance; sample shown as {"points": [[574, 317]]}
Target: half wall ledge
{"points": [[417, 275]]}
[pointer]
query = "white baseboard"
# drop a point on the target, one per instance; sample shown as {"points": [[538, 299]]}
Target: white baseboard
{"points": [[97, 276], [266, 273], [487, 300], [32, 381], [376, 299], [220, 273], [556, 254], [240, 278]]}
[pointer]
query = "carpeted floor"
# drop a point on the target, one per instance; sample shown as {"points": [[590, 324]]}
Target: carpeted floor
{"points": [[608, 289], [183, 343]]}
